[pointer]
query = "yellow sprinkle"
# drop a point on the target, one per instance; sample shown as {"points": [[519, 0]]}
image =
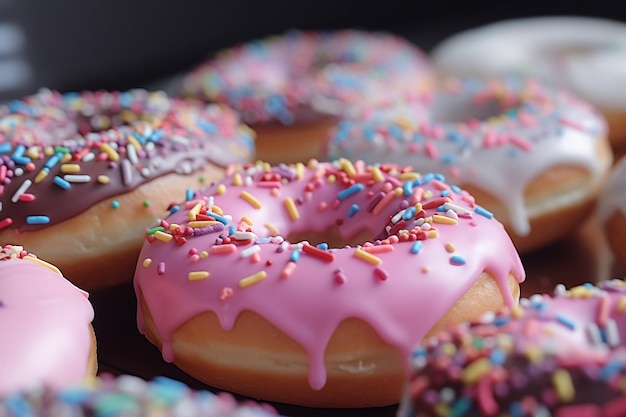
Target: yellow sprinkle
{"points": [[32, 152], [43, 263], [40, 176], [534, 354], [428, 194], [134, 142], [237, 179], [331, 179], [448, 349], [450, 248], [221, 189], [195, 210], [621, 304], [111, 153], [418, 207], [163, 237], [217, 210], [580, 292], [299, 170], [273, 229], [48, 151], [146, 262], [517, 312], [70, 168], [103, 179], [173, 226], [66, 157], [267, 167], [476, 370], [377, 174], [204, 254], [197, 275], [398, 192], [562, 381], [367, 257], [409, 176], [444, 219], [252, 279], [442, 409], [201, 223], [348, 167], [250, 199], [247, 220], [292, 210], [432, 234]]}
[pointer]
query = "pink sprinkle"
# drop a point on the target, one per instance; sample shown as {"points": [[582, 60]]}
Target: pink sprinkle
{"points": [[340, 277], [521, 143], [572, 124], [255, 258], [484, 396], [380, 273], [226, 293], [6, 222], [161, 268], [288, 270], [431, 150], [603, 311]]}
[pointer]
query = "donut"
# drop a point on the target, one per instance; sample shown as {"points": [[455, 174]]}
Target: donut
{"points": [[128, 396], [318, 278], [291, 88], [45, 321], [582, 54], [560, 355], [611, 212], [83, 174], [534, 156]]}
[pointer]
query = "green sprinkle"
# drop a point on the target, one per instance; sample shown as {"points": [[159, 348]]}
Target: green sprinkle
{"points": [[146, 203], [154, 230]]}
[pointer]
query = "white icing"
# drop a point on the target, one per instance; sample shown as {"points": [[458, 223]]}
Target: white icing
{"points": [[503, 170], [613, 195], [583, 54]]}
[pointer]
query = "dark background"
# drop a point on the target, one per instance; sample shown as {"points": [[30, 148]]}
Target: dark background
{"points": [[118, 44]]}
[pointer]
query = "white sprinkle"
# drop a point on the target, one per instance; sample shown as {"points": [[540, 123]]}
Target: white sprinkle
{"points": [[396, 218], [452, 214], [250, 251], [560, 290], [248, 181], [21, 190], [145, 172], [89, 156], [594, 334], [180, 139], [77, 178], [456, 208], [131, 151], [18, 172], [611, 332], [244, 236]]}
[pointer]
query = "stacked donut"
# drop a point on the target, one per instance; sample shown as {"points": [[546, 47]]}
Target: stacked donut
{"points": [[552, 356], [612, 211]]}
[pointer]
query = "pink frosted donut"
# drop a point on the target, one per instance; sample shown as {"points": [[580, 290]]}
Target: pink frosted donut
{"points": [[318, 278], [45, 321], [560, 356], [534, 156], [291, 88], [612, 211], [128, 396], [82, 174]]}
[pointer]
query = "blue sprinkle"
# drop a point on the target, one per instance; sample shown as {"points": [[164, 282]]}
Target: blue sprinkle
{"points": [[439, 177], [457, 260], [275, 104], [295, 255], [60, 182], [21, 160], [395, 131], [322, 246], [409, 213], [448, 158], [189, 194], [566, 321], [207, 127], [73, 395], [456, 189], [353, 210], [445, 193], [408, 188], [501, 320], [483, 212], [609, 370], [417, 182], [219, 218], [18, 406], [37, 219], [141, 138], [174, 209], [416, 247], [441, 209], [54, 159], [262, 240], [5, 147], [428, 177], [419, 351], [231, 230], [516, 410], [115, 204], [343, 194], [497, 356], [168, 389], [126, 99]]}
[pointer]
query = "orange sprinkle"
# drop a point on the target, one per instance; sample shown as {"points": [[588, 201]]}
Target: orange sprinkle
{"points": [[223, 249]]}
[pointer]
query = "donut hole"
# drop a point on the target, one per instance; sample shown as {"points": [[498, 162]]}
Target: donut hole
{"points": [[332, 237], [460, 108]]}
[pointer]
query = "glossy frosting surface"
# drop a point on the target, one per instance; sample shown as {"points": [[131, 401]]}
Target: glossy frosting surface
{"points": [[428, 240], [86, 147], [45, 323], [496, 135]]}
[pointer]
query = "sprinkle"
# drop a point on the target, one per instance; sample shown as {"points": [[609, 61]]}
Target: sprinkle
{"points": [[103, 179], [37, 220], [146, 262], [318, 253], [252, 279], [483, 212], [244, 236], [237, 179], [380, 274], [115, 204], [110, 152], [565, 321], [77, 178], [127, 172], [292, 210], [60, 182], [350, 191], [450, 248], [476, 370], [457, 260], [21, 190], [197, 275], [348, 167], [250, 199], [416, 247], [295, 255], [384, 202], [602, 314], [250, 251], [377, 174], [70, 168], [378, 249], [563, 385], [354, 209], [202, 223], [6, 222], [340, 277], [163, 237], [41, 175], [288, 270], [221, 189], [443, 219], [272, 229], [223, 249], [369, 258], [161, 268]]}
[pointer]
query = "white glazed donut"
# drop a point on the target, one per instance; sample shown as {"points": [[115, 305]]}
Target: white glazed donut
{"points": [[533, 155], [583, 54], [612, 211]]}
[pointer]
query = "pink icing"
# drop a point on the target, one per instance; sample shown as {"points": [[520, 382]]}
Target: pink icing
{"points": [[330, 285], [45, 325]]}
